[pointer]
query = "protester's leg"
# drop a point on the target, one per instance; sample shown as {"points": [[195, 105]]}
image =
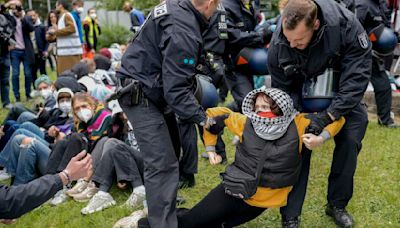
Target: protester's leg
{"points": [[33, 128], [104, 173], [218, 209], [97, 152], [28, 75], [16, 59], [9, 128], [348, 145], [32, 154], [383, 92], [25, 117], [56, 156], [5, 79], [296, 196], [15, 112], [76, 144], [10, 154], [161, 172]]}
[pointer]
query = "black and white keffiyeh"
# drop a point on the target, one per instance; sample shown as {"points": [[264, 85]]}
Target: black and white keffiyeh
{"points": [[270, 128]]}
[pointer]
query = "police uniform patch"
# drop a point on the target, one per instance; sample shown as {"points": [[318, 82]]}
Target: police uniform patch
{"points": [[160, 10], [363, 40]]}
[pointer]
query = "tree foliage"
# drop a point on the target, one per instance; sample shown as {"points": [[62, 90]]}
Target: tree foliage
{"points": [[144, 5]]}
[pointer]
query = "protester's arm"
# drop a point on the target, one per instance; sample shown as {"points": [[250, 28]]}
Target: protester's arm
{"points": [[69, 27], [18, 200]]}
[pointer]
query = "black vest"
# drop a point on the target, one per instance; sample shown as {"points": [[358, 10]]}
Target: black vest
{"points": [[283, 162]]}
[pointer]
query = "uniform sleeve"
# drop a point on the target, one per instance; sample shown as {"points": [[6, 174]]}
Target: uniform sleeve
{"points": [[356, 71], [240, 39], [235, 123], [180, 57], [18, 200], [69, 27], [362, 13]]}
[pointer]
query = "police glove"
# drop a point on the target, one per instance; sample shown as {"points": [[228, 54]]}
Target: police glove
{"points": [[318, 122], [218, 125]]}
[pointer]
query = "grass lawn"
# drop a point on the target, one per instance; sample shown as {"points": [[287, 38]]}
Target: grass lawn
{"points": [[376, 200]]}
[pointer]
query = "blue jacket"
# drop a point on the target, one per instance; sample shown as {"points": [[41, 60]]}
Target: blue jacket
{"points": [[78, 23]]}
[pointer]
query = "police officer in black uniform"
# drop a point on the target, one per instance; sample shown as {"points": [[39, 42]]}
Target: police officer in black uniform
{"points": [[241, 20], [210, 64], [371, 14], [157, 71], [313, 36]]}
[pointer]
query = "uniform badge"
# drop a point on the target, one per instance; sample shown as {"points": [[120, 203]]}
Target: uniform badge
{"points": [[363, 40], [160, 10]]}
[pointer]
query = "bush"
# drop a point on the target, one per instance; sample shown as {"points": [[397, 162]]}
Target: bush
{"points": [[113, 34]]}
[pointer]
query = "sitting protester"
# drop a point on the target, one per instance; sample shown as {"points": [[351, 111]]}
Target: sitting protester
{"points": [[69, 82], [267, 161], [93, 123]]}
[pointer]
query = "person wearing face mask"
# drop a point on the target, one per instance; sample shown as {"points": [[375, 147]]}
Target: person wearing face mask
{"points": [[267, 160], [92, 125], [92, 31], [158, 73], [77, 10]]}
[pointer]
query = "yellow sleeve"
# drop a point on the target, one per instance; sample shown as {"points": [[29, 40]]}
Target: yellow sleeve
{"points": [[235, 123], [335, 127]]}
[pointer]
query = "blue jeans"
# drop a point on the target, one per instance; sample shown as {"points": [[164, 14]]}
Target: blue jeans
{"points": [[26, 117], [7, 158], [30, 158], [5, 79], [18, 56]]}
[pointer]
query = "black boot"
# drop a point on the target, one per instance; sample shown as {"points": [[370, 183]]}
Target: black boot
{"points": [[186, 181], [290, 222], [340, 215]]}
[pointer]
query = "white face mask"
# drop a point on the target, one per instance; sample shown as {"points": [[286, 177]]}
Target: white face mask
{"points": [[65, 107], [93, 15], [85, 114], [46, 93], [79, 10]]}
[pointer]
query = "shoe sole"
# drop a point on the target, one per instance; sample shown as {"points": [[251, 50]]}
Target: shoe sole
{"points": [[83, 200], [105, 206]]}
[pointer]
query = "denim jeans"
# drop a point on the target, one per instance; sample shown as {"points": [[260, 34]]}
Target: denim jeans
{"points": [[30, 158], [16, 110], [18, 56], [25, 117], [5, 79], [7, 158]]}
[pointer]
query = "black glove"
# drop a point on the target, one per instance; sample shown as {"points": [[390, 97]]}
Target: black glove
{"points": [[318, 122], [219, 125]]}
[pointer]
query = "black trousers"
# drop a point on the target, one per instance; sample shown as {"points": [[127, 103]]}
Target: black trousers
{"points": [[382, 90], [344, 163], [218, 209], [239, 85], [63, 151], [120, 160], [161, 171], [39, 65]]}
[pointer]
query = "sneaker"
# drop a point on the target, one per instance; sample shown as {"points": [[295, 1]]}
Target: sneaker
{"points": [[87, 194], [136, 198], [4, 175], [59, 198], [100, 201], [79, 187], [131, 221]]}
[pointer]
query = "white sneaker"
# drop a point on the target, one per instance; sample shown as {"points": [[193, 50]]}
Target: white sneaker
{"points": [[59, 198], [130, 221], [4, 175], [79, 187], [137, 197], [87, 194], [99, 202]]}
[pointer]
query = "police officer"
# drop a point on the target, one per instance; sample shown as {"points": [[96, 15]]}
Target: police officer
{"points": [[314, 36], [157, 70], [210, 64], [371, 14], [241, 20]]}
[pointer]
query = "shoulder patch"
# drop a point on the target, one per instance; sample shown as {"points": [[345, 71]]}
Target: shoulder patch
{"points": [[363, 40], [220, 7], [160, 10]]}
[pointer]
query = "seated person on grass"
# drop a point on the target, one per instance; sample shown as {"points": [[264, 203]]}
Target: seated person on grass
{"points": [[267, 159]]}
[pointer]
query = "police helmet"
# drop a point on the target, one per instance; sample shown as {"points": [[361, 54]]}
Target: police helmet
{"points": [[318, 92], [252, 61], [205, 92], [383, 39]]}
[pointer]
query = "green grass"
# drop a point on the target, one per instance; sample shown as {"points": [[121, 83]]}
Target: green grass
{"points": [[376, 200]]}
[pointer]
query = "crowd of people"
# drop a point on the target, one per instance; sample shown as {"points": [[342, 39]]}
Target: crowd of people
{"points": [[131, 113]]}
